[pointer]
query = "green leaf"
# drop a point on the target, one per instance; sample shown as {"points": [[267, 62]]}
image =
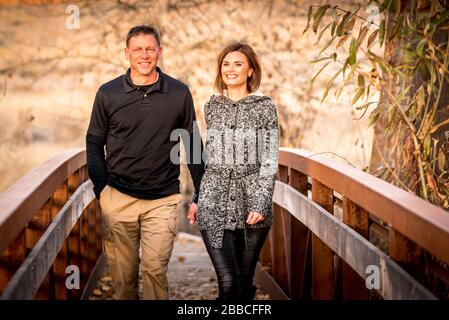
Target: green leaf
{"points": [[352, 52], [309, 16], [322, 32], [341, 26], [441, 18], [318, 16], [397, 7], [350, 26], [365, 105], [362, 35], [441, 161], [420, 47], [385, 5], [396, 28], [321, 59], [374, 116], [358, 95], [426, 145], [328, 44], [372, 37], [334, 26], [329, 85], [361, 81], [316, 75], [382, 32], [342, 40], [420, 100]]}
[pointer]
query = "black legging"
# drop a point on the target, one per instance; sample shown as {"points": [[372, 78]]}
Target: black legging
{"points": [[235, 263]]}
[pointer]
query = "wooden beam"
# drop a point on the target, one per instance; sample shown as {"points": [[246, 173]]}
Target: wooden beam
{"points": [[356, 251], [59, 199], [354, 287], [405, 252], [299, 235], [28, 278], [322, 255], [269, 284]]}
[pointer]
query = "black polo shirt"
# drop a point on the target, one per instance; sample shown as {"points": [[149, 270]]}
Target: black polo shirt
{"points": [[135, 125]]}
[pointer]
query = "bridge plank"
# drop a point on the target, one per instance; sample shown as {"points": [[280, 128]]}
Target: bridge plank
{"points": [[280, 265], [356, 251], [322, 255], [354, 287], [31, 273], [60, 197], [298, 242]]}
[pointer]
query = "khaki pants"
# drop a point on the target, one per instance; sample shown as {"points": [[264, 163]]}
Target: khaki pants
{"points": [[129, 224]]}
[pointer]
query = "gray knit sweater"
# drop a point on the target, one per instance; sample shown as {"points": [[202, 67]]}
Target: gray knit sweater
{"points": [[242, 156]]}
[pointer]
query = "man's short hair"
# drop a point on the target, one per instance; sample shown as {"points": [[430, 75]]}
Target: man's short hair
{"points": [[138, 30]]}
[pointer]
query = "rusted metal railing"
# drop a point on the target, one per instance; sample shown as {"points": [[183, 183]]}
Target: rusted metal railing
{"points": [[334, 225], [50, 220]]}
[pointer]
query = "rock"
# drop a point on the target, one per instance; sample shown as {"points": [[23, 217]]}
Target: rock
{"points": [[106, 287], [97, 292]]}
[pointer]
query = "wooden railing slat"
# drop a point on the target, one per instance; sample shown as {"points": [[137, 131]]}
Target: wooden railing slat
{"points": [[322, 255], [354, 287], [31, 273], [358, 252]]}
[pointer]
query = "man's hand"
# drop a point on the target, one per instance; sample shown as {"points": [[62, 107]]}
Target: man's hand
{"points": [[254, 217], [191, 214]]}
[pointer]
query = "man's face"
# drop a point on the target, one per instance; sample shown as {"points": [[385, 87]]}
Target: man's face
{"points": [[143, 52]]}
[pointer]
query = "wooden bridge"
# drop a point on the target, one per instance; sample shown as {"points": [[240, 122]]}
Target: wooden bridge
{"points": [[339, 233]]}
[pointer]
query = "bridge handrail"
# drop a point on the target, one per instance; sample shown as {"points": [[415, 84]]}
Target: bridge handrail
{"points": [[50, 220], [20, 201], [424, 223]]}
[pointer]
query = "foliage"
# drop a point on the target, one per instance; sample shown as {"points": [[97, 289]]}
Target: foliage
{"points": [[421, 161]]}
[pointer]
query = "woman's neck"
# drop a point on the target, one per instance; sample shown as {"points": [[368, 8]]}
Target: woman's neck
{"points": [[237, 93]]}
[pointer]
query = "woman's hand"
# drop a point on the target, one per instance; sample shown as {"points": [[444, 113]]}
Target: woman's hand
{"points": [[254, 217], [191, 214]]}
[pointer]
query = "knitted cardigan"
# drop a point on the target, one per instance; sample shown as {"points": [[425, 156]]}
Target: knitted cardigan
{"points": [[242, 148]]}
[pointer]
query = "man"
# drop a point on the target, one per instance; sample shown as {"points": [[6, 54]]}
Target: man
{"points": [[137, 183]]}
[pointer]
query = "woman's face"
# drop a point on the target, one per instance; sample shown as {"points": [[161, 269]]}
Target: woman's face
{"points": [[235, 69]]}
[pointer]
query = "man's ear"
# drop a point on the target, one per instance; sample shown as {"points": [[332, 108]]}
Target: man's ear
{"points": [[127, 53]]}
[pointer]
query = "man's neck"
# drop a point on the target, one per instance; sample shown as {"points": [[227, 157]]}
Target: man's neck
{"points": [[140, 80]]}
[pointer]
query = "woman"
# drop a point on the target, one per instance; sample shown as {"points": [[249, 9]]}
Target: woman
{"points": [[235, 199]]}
